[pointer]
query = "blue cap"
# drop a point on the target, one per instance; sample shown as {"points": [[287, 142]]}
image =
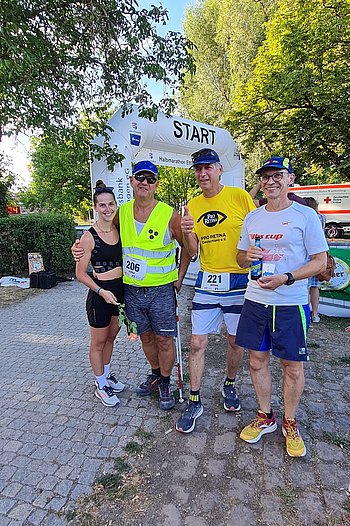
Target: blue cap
{"points": [[145, 166], [205, 156], [277, 162]]}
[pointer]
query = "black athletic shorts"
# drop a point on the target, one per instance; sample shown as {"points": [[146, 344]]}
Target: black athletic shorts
{"points": [[99, 312]]}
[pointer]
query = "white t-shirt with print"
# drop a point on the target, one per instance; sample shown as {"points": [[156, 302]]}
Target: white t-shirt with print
{"points": [[288, 238]]}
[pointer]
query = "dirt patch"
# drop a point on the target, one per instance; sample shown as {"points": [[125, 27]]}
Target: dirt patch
{"points": [[11, 295]]}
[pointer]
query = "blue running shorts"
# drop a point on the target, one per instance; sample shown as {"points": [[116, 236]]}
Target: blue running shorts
{"points": [[283, 329]]}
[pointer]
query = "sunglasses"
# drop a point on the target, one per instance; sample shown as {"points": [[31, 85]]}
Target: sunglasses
{"points": [[151, 179], [277, 177], [100, 189], [205, 152]]}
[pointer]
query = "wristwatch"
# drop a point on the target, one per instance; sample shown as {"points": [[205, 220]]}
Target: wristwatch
{"points": [[291, 278]]}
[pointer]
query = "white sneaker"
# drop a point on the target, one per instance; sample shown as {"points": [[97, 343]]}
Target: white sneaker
{"points": [[315, 319], [112, 381], [107, 396]]}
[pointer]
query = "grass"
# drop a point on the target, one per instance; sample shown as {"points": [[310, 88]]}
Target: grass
{"points": [[111, 482], [120, 465], [331, 322], [144, 435], [337, 440], [11, 295], [343, 360], [313, 345], [133, 448]]}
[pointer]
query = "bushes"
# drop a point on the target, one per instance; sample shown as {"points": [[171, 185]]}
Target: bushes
{"points": [[50, 234]]}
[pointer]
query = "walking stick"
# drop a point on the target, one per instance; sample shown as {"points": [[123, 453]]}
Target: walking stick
{"points": [[178, 352]]}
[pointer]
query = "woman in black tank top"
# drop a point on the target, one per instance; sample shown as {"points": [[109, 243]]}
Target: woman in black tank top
{"points": [[102, 248]]}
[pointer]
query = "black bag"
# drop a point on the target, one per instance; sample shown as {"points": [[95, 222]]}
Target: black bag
{"points": [[43, 279], [328, 273]]}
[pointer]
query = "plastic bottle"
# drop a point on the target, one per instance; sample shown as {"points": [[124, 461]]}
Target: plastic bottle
{"points": [[256, 266]]}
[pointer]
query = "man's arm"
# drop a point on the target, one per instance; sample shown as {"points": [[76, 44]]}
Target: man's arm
{"points": [[253, 193], [185, 258]]}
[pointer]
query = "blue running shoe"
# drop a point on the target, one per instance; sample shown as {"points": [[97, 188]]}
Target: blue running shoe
{"points": [[231, 400], [187, 420]]}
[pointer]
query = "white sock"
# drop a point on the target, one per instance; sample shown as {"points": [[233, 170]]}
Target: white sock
{"points": [[101, 380], [107, 368]]}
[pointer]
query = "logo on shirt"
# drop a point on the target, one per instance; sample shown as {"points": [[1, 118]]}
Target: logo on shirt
{"points": [[212, 218], [152, 234]]}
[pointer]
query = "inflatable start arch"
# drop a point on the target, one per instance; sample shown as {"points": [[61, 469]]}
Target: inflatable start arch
{"points": [[169, 141]]}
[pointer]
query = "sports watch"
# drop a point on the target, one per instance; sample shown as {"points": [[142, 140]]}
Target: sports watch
{"points": [[291, 278]]}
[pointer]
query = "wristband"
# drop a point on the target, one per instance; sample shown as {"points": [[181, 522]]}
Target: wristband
{"points": [[98, 290]]}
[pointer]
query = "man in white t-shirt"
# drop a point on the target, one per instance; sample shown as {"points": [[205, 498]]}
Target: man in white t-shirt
{"points": [[276, 313]]}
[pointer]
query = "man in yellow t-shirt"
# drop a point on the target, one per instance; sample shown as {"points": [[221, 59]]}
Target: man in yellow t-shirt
{"points": [[213, 221]]}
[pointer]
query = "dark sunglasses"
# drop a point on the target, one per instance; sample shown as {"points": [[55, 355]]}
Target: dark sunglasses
{"points": [[151, 179], [100, 189], [202, 153]]}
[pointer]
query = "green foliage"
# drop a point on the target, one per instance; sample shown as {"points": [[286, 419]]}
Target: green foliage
{"points": [[60, 174], [6, 180], [50, 235], [176, 186], [59, 58], [275, 73], [296, 101]]}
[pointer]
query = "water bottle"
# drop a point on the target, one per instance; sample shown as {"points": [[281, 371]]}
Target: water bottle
{"points": [[256, 266]]}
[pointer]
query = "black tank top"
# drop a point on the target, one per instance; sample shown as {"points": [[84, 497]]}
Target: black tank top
{"points": [[105, 257]]}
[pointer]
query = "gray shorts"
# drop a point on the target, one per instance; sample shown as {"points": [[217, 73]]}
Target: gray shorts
{"points": [[152, 308]]}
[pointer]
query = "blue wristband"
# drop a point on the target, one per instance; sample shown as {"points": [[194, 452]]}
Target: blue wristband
{"points": [[98, 290]]}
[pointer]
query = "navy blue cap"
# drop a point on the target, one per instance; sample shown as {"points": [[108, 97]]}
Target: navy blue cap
{"points": [[276, 162], [204, 156], [145, 166]]}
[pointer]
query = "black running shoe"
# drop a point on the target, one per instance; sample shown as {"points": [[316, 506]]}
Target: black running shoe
{"points": [[166, 397], [149, 386], [187, 421], [231, 400]]}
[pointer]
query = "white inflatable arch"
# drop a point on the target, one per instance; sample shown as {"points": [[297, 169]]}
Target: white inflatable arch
{"points": [[169, 141]]}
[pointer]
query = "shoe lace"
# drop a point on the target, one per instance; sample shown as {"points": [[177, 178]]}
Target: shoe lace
{"points": [[230, 390], [112, 377], [164, 389], [108, 389], [191, 409], [258, 420], [291, 428]]}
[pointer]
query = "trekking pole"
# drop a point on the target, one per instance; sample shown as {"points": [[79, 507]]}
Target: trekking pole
{"points": [[178, 352]]}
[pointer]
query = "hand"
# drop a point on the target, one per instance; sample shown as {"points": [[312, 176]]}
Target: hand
{"points": [[77, 251], [108, 297], [187, 221], [272, 282], [254, 253], [177, 285]]}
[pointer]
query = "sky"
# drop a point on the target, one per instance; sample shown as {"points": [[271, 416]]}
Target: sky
{"points": [[17, 149]]}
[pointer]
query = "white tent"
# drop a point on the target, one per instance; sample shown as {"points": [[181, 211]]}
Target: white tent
{"points": [[169, 141]]}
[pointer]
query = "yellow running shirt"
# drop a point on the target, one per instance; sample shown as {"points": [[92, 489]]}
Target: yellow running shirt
{"points": [[217, 223]]}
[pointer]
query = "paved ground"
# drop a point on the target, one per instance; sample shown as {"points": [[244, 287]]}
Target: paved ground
{"points": [[56, 437]]}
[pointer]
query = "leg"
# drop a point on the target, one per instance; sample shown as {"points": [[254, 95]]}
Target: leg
{"points": [[113, 330], [150, 348], [98, 338], [314, 293], [234, 356], [293, 386], [166, 353], [197, 359], [229, 391], [261, 378]]}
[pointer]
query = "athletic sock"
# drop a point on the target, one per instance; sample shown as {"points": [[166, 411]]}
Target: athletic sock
{"points": [[195, 397], [106, 369], [156, 372], [230, 381], [101, 381], [165, 379]]}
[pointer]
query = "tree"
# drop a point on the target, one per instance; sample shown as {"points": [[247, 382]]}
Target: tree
{"points": [[59, 59], [60, 174], [176, 186], [6, 180], [297, 100]]}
